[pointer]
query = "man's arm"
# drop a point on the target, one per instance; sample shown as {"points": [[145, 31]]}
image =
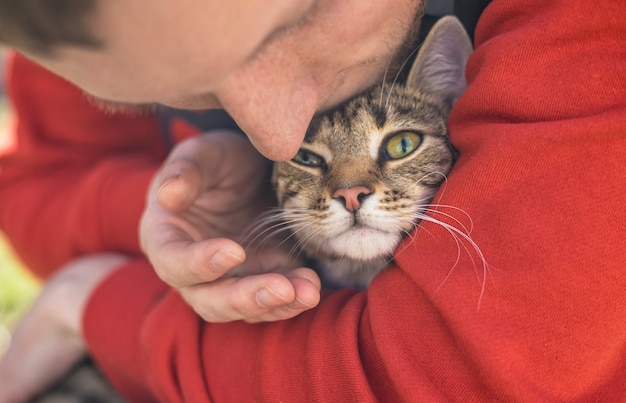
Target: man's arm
{"points": [[74, 178]]}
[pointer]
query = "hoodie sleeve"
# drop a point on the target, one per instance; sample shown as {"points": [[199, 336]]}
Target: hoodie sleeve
{"points": [[73, 178]]}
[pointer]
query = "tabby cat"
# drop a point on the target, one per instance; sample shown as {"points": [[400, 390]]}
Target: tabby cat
{"points": [[366, 172]]}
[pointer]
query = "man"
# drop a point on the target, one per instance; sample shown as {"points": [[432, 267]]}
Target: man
{"points": [[546, 93]]}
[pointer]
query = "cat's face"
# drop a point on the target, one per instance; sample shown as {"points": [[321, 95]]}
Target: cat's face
{"points": [[367, 171], [364, 174]]}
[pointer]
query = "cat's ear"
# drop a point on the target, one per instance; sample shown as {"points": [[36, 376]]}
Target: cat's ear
{"points": [[439, 68]]}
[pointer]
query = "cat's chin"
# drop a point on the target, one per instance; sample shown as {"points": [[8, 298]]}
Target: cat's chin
{"points": [[364, 244]]}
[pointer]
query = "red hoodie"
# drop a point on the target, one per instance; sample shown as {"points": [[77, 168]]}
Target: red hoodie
{"points": [[542, 134]]}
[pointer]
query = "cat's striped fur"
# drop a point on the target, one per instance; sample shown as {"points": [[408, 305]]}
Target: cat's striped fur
{"points": [[368, 170]]}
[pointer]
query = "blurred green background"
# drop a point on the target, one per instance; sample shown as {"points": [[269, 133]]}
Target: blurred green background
{"points": [[17, 291]]}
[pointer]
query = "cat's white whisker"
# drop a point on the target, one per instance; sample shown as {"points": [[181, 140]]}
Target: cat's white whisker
{"points": [[463, 239], [382, 85], [269, 227], [395, 79], [261, 228], [443, 175], [264, 230], [308, 236], [434, 209]]}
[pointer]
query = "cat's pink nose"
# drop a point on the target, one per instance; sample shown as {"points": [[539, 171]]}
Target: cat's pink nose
{"points": [[352, 197]]}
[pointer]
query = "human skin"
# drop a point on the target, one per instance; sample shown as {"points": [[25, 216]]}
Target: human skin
{"points": [[48, 340]]}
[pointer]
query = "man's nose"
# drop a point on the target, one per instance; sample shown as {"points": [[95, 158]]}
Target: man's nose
{"points": [[274, 113]]}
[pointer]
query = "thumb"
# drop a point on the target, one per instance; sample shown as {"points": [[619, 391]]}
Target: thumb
{"points": [[178, 184]]}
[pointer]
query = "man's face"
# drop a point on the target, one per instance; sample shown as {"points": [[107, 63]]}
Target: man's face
{"points": [[271, 64]]}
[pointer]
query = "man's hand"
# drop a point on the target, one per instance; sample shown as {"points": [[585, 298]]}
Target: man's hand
{"points": [[48, 342], [207, 193]]}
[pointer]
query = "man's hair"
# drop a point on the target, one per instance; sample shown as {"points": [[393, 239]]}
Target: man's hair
{"points": [[37, 26]]}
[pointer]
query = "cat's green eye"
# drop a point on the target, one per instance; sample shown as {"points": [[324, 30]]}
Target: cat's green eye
{"points": [[401, 144], [309, 159]]}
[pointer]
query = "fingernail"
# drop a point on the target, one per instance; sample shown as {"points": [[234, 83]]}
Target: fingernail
{"points": [[169, 180], [166, 191], [225, 260], [268, 298]]}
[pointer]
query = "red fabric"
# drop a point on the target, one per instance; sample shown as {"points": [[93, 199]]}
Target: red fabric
{"points": [[73, 178], [182, 130], [542, 135]]}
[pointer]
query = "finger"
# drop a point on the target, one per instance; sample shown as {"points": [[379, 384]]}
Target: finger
{"points": [[230, 299], [307, 287], [182, 263], [179, 183], [199, 163]]}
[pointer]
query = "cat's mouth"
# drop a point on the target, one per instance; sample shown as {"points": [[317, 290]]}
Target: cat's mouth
{"points": [[363, 242], [363, 229], [357, 223], [360, 222], [360, 227]]}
